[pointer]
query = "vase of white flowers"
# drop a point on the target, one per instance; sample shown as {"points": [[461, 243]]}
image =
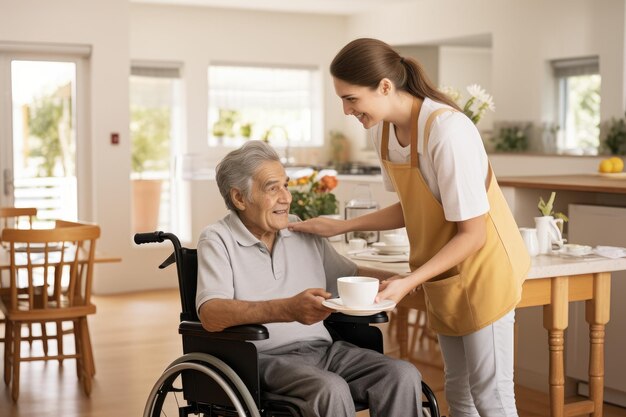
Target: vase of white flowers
{"points": [[477, 103]]}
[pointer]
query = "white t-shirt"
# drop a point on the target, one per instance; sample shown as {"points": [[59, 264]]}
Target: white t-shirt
{"points": [[455, 166]]}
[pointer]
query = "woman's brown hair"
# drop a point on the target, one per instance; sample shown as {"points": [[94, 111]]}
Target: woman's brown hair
{"points": [[366, 61]]}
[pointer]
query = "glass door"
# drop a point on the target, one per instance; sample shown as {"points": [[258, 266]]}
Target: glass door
{"points": [[38, 135]]}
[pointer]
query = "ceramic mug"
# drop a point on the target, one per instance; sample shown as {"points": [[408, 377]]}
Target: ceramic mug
{"points": [[394, 239], [357, 292], [548, 233], [529, 234], [357, 244]]}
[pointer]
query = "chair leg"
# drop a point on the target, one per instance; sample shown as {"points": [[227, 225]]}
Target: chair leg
{"points": [[88, 368], [8, 349], [60, 341], [44, 336], [78, 349], [89, 350], [17, 341]]}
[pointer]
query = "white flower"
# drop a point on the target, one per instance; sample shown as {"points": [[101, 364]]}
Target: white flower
{"points": [[451, 92], [477, 91], [476, 105]]}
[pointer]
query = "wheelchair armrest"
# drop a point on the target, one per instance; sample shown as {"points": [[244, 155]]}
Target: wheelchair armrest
{"points": [[242, 332], [344, 318]]}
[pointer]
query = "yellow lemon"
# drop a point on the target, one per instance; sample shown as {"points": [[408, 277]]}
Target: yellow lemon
{"points": [[618, 164], [606, 166]]}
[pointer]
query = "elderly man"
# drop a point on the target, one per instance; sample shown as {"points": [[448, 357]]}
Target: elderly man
{"points": [[251, 269]]}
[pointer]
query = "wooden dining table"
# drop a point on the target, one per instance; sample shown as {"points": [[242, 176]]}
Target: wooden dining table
{"points": [[552, 282]]}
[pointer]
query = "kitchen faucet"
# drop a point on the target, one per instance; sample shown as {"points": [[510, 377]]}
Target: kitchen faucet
{"points": [[286, 160]]}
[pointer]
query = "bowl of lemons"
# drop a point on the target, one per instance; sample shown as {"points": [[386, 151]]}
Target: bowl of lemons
{"points": [[612, 168]]}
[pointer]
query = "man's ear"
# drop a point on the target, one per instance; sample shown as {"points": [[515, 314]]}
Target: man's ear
{"points": [[238, 199], [385, 86]]}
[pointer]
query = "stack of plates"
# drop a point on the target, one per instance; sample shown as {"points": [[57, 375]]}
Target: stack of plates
{"points": [[384, 249]]}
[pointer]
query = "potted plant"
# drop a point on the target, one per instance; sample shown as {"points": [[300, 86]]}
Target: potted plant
{"points": [[549, 229], [615, 140], [312, 196], [150, 139]]}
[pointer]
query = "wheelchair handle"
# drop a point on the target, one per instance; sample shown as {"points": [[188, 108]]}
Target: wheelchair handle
{"points": [[157, 237]]}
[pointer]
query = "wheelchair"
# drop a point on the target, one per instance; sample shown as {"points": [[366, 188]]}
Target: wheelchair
{"points": [[218, 373]]}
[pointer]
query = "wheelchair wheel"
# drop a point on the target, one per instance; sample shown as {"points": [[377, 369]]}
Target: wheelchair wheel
{"points": [[430, 408], [166, 397]]}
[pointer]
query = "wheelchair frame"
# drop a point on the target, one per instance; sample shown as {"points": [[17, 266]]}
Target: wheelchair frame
{"points": [[219, 370]]}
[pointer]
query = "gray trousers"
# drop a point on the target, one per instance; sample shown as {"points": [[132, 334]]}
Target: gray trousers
{"points": [[479, 371], [324, 380]]}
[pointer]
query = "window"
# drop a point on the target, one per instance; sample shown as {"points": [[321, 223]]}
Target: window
{"points": [[281, 105], [578, 82], [155, 128]]}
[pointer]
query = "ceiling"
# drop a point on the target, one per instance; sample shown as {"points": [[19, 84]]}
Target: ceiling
{"points": [[335, 7]]}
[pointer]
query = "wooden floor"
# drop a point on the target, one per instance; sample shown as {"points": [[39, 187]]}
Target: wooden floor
{"points": [[135, 337]]}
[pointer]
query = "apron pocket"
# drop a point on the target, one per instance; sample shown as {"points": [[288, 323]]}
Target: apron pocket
{"points": [[448, 306]]}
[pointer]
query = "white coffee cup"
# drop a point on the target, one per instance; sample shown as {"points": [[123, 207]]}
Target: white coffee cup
{"points": [[357, 292], [394, 239], [529, 234], [357, 244]]}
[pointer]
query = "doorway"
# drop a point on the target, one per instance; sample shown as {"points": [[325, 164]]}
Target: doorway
{"points": [[42, 126]]}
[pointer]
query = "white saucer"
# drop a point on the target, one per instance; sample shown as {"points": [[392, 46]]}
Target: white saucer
{"points": [[337, 305], [574, 250], [384, 249]]}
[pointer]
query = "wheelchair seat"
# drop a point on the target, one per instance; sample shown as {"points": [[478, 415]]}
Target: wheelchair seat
{"points": [[218, 374]]}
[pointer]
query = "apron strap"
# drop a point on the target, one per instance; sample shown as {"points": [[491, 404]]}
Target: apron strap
{"points": [[415, 111], [429, 124], [384, 144]]}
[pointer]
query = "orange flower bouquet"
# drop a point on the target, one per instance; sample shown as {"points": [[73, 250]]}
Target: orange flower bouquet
{"points": [[312, 197]]}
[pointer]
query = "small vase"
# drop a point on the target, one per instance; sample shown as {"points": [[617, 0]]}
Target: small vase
{"points": [[335, 238]]}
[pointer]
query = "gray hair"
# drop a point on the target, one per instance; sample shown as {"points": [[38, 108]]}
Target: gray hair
{"points": [[238, 168]]}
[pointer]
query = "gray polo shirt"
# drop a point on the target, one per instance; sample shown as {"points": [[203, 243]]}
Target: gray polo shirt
{"points": [[233, 264]]}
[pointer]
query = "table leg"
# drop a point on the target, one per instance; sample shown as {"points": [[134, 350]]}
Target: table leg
{"points": [[402, 330], [597, 311], [555, 321]]}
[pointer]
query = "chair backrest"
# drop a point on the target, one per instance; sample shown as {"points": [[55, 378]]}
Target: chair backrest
{"points": [[17, 217], [50, 268]]}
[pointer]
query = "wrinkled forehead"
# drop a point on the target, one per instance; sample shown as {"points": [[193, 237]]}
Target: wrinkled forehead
{"points": [[269, 172]]}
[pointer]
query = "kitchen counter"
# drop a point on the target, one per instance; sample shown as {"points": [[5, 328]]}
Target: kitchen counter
{"points": [[597, 183], [543, 266], [553, 282]]}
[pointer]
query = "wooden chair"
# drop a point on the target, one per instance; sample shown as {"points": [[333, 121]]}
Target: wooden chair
{"points": [[51, 274], [17, 218]]}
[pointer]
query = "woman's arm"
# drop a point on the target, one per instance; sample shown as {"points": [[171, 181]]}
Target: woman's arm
{"points": [[384, 219], [469, 238]]}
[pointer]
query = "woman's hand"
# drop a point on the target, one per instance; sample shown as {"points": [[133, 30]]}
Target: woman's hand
{"points": [[394, 288], [321, 226]]}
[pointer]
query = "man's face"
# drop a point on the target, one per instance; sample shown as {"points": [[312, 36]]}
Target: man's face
{"points": [[268, 209]]}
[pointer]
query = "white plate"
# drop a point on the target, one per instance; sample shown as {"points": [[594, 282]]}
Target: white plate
{"points": [[576, 251], [613, 175], [379, 257], [337, 305], [385, 249]]}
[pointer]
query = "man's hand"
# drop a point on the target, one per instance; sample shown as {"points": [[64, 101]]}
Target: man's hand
{"points": [[307, 307]]}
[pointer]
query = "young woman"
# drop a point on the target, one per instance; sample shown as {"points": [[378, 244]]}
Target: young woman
{"points": [[466, 251]]}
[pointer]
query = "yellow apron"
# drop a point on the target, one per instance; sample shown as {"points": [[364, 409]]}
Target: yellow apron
{"points": [[486, 285]]}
